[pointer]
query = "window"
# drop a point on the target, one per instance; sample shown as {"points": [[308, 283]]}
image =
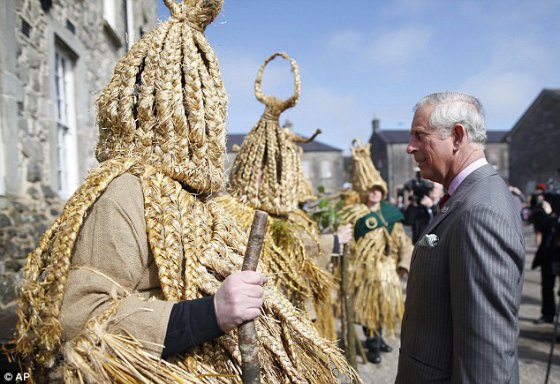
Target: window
{"points": [[326, 170], [66, 160], [306, 167], [110, 13], [115, 21], [2, 170], [129, 23]]}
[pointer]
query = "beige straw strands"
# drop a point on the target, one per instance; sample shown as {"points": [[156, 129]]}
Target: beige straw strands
{"points": [[166, 103], [295, 151], [262, 174], [365, 175], [161, 118], [374, 283], [267, 175]]}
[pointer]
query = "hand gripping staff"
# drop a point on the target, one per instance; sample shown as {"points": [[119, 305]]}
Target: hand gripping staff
{"points": [[251, 367]]}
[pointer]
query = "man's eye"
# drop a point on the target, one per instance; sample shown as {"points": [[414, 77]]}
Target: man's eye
{"points": [[418, 135]]}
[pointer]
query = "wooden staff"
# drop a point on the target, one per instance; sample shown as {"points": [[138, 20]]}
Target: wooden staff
{"points": [[251, 367], [348, 310]]}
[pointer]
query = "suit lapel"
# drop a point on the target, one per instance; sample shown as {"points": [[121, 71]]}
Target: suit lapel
{"points": [[456, 200]]}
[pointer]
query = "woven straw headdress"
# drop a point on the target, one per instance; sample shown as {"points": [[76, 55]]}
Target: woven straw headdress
{"points": [[263, 174], [166, 104], [365, 175]]}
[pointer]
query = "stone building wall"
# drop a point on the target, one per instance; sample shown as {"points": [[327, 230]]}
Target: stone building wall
{"points": [[533, 144], [379, 152], [402, 168], [497, 155], [325, 169], [90, 36]]}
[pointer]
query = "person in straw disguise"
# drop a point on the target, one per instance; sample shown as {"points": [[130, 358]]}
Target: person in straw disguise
{"points": [[319, 247], [464, 290], [138, 280], [266, 175], [380, 254], [317, 244]]}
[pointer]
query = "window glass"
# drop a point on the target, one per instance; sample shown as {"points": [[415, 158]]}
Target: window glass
{"points": [[66, 161]]}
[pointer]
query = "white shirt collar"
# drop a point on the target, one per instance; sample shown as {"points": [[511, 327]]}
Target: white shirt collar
{"points": [[464, 173]]}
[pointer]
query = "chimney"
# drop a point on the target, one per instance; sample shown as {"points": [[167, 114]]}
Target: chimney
{"points": [[375, 124]]}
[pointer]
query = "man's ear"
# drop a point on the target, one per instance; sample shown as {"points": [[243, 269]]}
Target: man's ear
{"points": [[459, 136]]}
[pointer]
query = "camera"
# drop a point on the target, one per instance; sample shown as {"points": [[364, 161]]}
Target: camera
{"points": [[553, 198], [420, 187]]}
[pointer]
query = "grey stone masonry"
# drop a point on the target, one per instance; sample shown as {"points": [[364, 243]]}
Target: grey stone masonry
{"points": [[40, 93], [533, 143]]}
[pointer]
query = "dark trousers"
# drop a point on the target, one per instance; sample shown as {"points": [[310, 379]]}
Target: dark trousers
{"points": [[548, 279]]}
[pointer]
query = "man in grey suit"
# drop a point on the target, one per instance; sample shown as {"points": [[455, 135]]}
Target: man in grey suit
{"points": [[460, 323]]}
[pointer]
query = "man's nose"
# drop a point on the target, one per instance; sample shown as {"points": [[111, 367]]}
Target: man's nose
{"points": [[410, 148]]}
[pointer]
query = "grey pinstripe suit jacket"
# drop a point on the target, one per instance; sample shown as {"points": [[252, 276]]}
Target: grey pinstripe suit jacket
{"points": [[460, 323]]}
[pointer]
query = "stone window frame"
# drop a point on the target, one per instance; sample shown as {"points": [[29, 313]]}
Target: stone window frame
{"points": [[3, 151], [326, 169], [11, 96], [118, 20], [307, 168], [61, 39], [129, 23], [66, 143], [112, 11]]}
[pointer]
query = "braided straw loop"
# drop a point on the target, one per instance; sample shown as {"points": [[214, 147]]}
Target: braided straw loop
{"points": [[264, 173], [272, 103], [166, 104]]}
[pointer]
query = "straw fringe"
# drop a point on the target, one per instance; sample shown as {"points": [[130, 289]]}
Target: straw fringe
{"points": [[291, 269], [46, 270], [290, 346], [375, 285]]}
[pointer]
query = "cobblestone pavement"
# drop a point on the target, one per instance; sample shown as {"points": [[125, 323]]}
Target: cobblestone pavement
{"points": [[534, 340]]}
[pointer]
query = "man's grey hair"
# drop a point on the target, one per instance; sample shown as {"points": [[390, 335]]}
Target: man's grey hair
{"points": [[452, 108]]}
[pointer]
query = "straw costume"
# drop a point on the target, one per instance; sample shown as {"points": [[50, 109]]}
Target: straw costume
{"points": [[304, 191], [380, 245], [266, 175], [140, 234], [318, 247]]}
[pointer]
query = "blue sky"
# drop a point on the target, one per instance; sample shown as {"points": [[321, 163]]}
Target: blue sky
{"points": [[365, 58]]}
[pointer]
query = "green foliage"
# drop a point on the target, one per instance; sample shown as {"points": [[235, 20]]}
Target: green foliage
{"points": [[325, 211], [283, 233]]}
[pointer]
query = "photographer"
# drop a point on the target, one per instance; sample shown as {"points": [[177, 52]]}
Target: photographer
{"points": [[419, 214], [536, 216], [548, 253]]}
